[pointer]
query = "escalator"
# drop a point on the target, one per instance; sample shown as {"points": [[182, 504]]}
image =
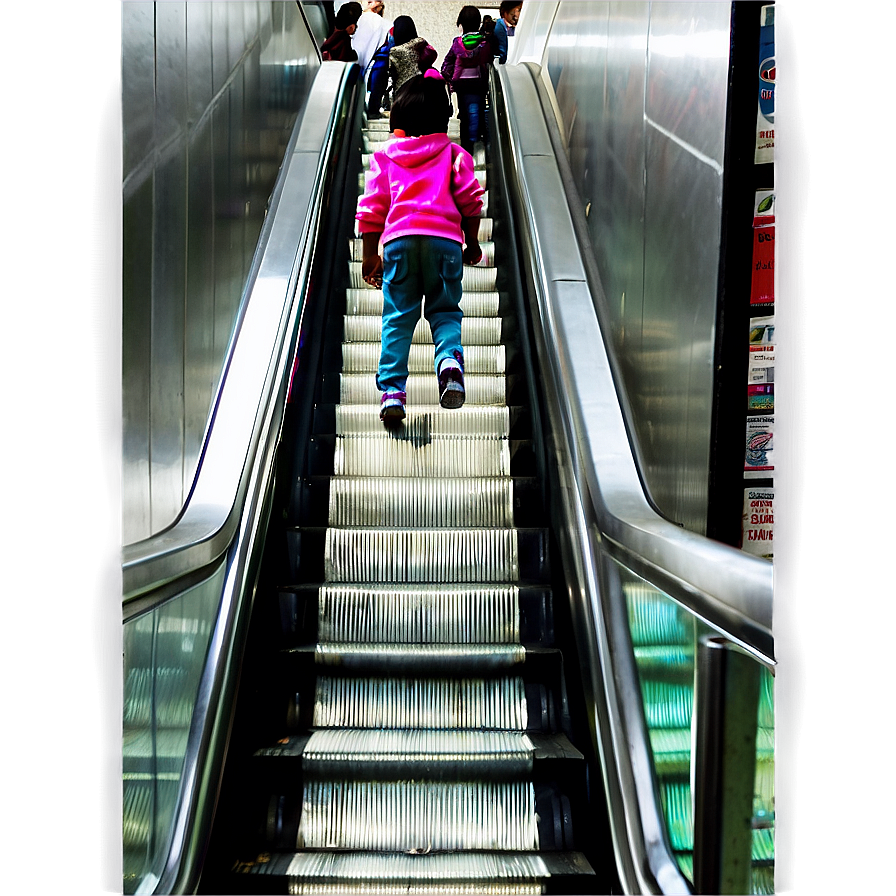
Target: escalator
{"points": [[404, 722]]}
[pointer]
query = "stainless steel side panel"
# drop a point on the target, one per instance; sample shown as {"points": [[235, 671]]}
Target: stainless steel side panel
{"points": [[209, 95], [641, 94]]}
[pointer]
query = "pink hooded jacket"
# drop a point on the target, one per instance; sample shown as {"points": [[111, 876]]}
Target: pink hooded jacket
{"points": [[419, 186]]}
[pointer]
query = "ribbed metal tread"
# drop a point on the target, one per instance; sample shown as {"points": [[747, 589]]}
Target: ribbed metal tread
{"points": [[425, 421], [422, 816], [473, 330], [396, 754], [420, 501], [369, 301], [430, 703], [364, 357], [421, 555], [475, 278], [358, 388], [399, 873], [365, 456]]}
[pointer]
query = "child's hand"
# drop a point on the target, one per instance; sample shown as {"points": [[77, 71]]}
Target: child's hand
{"points": [[472, 253], [372, 270]]}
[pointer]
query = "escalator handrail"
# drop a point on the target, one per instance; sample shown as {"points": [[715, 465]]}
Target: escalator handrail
{"points": [[608, 512], [158, 566], [286, 257], [727, 588]]}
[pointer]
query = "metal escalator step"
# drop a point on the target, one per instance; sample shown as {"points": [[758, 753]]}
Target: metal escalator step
{"points": [[421, 555], [356, 252], [364, 357], [473, 330], [419, 755], [425, 422], [440, 556], [369, 301], [431, 703], [413, 502], [360, 388], [422, 816], [475, 278], [429, 873], [372, 456], [417, 614], [414, 659]]}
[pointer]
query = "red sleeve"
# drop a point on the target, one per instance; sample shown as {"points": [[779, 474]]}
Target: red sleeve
{"points": [[374, 205]]}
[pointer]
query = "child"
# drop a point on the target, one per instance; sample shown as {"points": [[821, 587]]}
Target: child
{"points": [[338, 46], [465, 68], [423, 200]]}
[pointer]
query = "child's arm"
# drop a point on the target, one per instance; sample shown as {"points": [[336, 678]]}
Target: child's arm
{"points": [[473, 252], [371, 263]]}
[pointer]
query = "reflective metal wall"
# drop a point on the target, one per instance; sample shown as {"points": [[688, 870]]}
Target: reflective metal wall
{"points": [[210, 91], [642, 94]]}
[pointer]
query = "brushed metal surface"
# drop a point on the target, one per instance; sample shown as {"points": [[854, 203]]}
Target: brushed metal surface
{"points": [[210, 92], [641, 95]]}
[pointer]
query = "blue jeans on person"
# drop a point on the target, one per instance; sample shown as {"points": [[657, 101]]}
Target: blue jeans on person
{"points": [[472, 118], [419, 268]]}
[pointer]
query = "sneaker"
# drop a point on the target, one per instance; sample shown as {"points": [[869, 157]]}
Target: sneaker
{"points": [[451, 382], [392, 407]]}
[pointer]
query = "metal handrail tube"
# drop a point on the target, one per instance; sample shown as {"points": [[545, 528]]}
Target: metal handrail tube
{"points": [[607, 515]]}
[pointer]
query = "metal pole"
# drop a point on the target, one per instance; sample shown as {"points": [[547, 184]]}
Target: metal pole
{"points": [[726, 703]]}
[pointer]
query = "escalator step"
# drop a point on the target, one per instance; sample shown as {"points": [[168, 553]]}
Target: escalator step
{"points": [[424, 421], [417, 659], [364, 357], [475, 278], [420, 816], [369, 301], [440, 703], [473, 330], [417, 614], [417, 502], [366, 456], [427, 873], [481, 389]]}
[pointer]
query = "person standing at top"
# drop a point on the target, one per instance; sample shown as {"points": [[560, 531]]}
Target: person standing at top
{"points": [[505, 27], [423, 201], [465, 67], [372, 30], [338, 46]]}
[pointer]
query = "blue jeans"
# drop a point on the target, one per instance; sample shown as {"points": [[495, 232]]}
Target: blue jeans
{"points": [[417, 268], [472, 118]]}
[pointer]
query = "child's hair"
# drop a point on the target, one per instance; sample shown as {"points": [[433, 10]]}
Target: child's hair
{"points": [[469, 18], [403, 30], [348, 14], [421, 106]]}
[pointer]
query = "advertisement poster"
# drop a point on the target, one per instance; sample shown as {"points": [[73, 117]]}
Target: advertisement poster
{"points": [[761, 398], [765, 118], [759, 522], [758, 462], [761, 368], [762, 285]]}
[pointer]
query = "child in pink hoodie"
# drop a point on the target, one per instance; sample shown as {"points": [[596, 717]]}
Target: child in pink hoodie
{"points": [[423, 200]]}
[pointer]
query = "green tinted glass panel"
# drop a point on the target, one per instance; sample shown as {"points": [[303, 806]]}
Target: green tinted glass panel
{"points": [[664, 638], [164, 655]]}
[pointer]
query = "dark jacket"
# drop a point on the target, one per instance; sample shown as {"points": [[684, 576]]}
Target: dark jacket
{"points": [[338, 47], [465, 66]]}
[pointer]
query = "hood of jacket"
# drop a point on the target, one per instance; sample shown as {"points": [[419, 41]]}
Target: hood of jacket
{"points": [[411, 152]]}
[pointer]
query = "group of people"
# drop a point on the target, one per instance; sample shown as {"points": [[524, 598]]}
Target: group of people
{"points": [[419, 214], [389, 53]]}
